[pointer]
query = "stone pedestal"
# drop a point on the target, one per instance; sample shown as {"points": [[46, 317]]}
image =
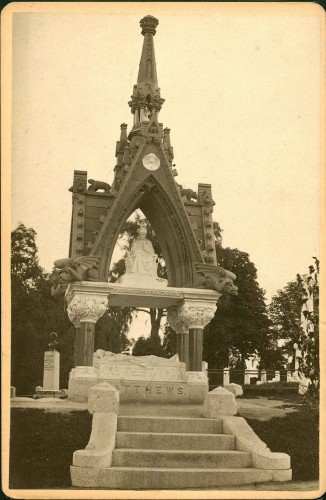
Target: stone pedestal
{"points": [[226, 377], [139, 379], [51, 377], [51, 372]]}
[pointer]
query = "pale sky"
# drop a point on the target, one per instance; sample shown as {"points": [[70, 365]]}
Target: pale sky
{"points": [[242, 100]]}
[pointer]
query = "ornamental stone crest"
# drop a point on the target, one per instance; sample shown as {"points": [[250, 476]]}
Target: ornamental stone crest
{"points": [[196, 314], [86, 308]]}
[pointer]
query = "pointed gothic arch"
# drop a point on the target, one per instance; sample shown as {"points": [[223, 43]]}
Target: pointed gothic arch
{"points": [[178, 249]]}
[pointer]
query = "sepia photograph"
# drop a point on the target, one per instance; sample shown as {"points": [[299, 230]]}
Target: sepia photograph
{"points": [[163, 199]]}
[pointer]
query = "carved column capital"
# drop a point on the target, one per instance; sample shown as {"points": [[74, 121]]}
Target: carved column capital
{"points": [[86, 308], [175, 320], [197, 313]]}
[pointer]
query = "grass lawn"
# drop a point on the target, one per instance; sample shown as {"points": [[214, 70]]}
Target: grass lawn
{"points": [[296, 434], [42, 444]]}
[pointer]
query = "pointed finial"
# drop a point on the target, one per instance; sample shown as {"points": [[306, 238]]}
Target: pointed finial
{"points": [[148, 24]]}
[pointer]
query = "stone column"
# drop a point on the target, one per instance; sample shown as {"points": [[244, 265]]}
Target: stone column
{"points": [[182, 332], [226, 376], [196, 314], [84, 310], [277, 376], [263, 376], [246, 377]]}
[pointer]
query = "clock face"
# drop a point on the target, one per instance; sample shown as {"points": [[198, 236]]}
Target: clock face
{"points": [[151, 161]]}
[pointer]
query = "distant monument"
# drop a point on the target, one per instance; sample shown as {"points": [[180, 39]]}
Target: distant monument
{"points": [[51, 372]]}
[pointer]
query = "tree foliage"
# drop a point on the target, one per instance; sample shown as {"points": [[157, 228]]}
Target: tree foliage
{"points": [[34, 314], [309, 340], [240, 327]]}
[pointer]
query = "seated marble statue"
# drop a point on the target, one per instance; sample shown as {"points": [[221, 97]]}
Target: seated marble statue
{"points": [[142, 258]]}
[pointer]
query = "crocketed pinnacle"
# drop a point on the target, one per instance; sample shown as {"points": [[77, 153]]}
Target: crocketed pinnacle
{"points": [[146, 97]]}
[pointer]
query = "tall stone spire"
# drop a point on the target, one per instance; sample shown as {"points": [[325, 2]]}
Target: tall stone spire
{"points": [[146, 99]]}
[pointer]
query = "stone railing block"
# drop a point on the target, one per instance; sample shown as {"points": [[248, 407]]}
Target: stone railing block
{"points": [[236, 389], [219, 402], [103, 398], [103, 402], [247, 440]]}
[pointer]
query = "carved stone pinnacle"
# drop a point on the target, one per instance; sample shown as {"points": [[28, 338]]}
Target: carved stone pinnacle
{"points": [[148, 24]]}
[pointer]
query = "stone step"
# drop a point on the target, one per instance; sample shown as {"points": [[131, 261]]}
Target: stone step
{"points": [[154, 478], [176, 441], [170, 425], [176, 458]]}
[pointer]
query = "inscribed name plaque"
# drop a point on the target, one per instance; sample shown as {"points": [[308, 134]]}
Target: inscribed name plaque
{"points": [[51, 370], [147, 368]]}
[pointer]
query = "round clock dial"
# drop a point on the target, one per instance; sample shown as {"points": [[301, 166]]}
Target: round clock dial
{"points": [[151, 161]]}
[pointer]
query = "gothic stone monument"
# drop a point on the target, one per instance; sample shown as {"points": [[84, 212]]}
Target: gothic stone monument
{"points": [[151, 453], [144, 177]]}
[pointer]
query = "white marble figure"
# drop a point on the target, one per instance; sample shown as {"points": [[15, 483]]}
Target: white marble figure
{"points": [[142, 259]]}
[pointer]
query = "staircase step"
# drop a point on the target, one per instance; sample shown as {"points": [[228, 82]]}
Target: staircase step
{"points": [[176, 441], [176, 458], [170, 425], [154, 478]]}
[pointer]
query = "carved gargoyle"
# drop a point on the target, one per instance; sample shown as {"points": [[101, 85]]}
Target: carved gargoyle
{"points": [[74, 269], [188, 193], [217, 278], [96, 185]]}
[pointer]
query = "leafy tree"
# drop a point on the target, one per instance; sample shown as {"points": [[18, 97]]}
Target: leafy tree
{"points": [[111, 328], [240, 327], [285, 312], [169, 341], [146, 346], [309, 340], [34, 313]]}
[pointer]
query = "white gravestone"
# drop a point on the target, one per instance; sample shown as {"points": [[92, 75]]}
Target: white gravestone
{"points": [[51, 371]]}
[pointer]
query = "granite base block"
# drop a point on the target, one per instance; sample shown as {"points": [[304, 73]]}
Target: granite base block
{"points": [[133, 391]]}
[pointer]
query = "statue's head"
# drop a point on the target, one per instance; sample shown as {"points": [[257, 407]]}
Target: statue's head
{"points": [[142, 232]]}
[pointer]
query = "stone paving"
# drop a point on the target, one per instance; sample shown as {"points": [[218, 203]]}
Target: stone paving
{"points": [[259, 408]]}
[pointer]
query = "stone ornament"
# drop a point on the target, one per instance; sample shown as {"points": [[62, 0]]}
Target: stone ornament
{"points": [[103, 403], [175, 321], [218, 403], [97, 185], [151, 162], [217, 278], [73, 269], [103, 398], [86, 308], [196, 314]]}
